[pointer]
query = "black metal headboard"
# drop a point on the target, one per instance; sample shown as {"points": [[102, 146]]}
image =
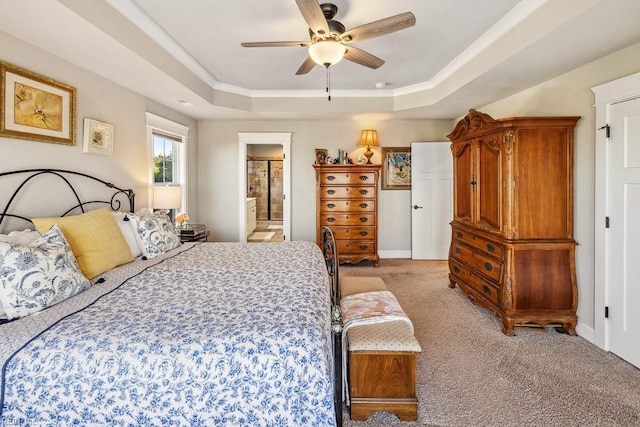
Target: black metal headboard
{"points": [[113, 199]]}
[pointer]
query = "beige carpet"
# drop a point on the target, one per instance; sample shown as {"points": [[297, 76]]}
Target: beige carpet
{"points": [[470, 374]]}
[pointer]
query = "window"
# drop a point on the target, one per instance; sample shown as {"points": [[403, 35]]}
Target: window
{"points": [[165, 159], [168, 157]]}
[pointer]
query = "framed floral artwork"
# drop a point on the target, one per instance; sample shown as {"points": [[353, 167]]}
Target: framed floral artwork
{"points": [[35, 107], [98, 137], [396, 168]]}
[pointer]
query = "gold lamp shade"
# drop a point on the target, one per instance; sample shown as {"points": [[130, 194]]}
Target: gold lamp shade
{"points": [[368, 138]]}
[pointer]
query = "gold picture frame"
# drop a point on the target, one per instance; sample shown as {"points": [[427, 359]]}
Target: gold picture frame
{"points": [[396, 168], [98, 137], [35, 107]]}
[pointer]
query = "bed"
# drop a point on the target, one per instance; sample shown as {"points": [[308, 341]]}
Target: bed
{"points": [[199, 334]]}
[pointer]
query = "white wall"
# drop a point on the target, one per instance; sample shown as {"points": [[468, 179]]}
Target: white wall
{"points": [[220, 189], [99, 99], [570, 95]]}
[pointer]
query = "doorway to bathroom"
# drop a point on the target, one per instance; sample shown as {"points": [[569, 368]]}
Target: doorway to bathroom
{"points": [[265, 165], [265, 185]]}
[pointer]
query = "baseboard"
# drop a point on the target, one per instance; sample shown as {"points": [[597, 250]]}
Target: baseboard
{"points": [[394, 254], [586, 332]]}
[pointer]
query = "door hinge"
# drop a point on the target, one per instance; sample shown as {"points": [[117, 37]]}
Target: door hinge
{"points": [[606, 222], [606, 312], [608, 129]]}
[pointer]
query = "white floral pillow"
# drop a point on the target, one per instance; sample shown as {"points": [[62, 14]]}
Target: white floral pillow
{"points": [[38, 275], [155, 232]]}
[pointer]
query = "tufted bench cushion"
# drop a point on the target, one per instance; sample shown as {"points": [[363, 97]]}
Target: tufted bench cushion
{"points": [[387, 336], [354, 284]]}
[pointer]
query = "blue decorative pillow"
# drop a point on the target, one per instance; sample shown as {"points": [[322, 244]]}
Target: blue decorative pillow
{"points": [[155, 232], [38, 275]]}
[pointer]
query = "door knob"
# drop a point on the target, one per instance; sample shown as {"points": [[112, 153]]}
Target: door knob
{"points": [[417, 207]]}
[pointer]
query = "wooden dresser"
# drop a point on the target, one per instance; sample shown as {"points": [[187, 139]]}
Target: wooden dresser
{"points": [[347, 201], [512, 247]]}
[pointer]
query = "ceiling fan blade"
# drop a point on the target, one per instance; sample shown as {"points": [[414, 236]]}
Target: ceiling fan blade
{"points": [[379, 28], [312, 13], [361, 57], [306, 66], [274, 44]]}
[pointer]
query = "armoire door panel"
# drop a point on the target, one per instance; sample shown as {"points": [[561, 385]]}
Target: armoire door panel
{"points": [[490, 183], [463, 186]]}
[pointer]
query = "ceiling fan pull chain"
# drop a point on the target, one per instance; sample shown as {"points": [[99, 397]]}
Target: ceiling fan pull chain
{"points": [[328, 83]]}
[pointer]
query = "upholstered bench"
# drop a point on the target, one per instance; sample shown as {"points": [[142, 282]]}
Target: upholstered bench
{"points": [[382, 370], [381, 355], [350, 285]]}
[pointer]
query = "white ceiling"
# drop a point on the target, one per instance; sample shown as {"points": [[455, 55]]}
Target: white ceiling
{"points": [[461, 54]]}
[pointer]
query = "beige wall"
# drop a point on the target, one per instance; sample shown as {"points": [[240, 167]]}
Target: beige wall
{"points": [[570, 95], [220, 190], [99, 99]]}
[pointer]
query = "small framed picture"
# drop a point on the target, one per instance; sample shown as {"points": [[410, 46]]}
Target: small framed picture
{"points": [[321, 156], [98, 137], [396, 168]]}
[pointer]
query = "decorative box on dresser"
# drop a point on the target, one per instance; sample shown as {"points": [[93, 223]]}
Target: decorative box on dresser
{"points": [[512, 247], [347, 201]]}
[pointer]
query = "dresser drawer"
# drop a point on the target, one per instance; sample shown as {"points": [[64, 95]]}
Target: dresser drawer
{"points": [[350, 247], [491, 248], [348, 206], [354, 233], [476, 260], [480, 286], [348, 178], [337, 218], [364, 192]]}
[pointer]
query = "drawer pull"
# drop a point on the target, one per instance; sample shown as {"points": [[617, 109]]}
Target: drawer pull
{"points": [[331, 178], [331, 205], [456, 269], [330, 219], [459, 235], [490, 247], [364, 219], [488, 266], [363, 247], [363, 178], [331, 191], [364, 205], [486, 289], [363, 192], [458, 250], [364, 233]]}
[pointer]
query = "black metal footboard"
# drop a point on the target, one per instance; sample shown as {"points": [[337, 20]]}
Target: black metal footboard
{"points": [[330, 252]]}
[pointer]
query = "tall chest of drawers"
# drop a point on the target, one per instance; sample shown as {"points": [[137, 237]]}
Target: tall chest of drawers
{"points": [[347, 201]]}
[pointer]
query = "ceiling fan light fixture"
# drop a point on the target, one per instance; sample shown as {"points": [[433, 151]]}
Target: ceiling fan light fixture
{"points": [[327, 52]]}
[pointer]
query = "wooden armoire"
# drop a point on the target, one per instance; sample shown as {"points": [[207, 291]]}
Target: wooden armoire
{"points": [[512, 247]]}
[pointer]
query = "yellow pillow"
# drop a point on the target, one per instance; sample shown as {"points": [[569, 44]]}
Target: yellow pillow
{"points": [[94, 237]]}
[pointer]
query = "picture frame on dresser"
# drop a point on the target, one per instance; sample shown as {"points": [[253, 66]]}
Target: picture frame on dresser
{"points": [[36, 107], [396, 168]]}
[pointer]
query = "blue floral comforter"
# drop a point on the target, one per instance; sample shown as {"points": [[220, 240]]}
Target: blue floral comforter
{"points": [[225, 334]]}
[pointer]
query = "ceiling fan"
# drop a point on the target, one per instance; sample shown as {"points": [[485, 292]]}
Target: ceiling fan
{"points": [[330, 42]]}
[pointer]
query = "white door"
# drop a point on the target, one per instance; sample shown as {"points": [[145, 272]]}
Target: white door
{"points": [[623, 251], [431, 199]]}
